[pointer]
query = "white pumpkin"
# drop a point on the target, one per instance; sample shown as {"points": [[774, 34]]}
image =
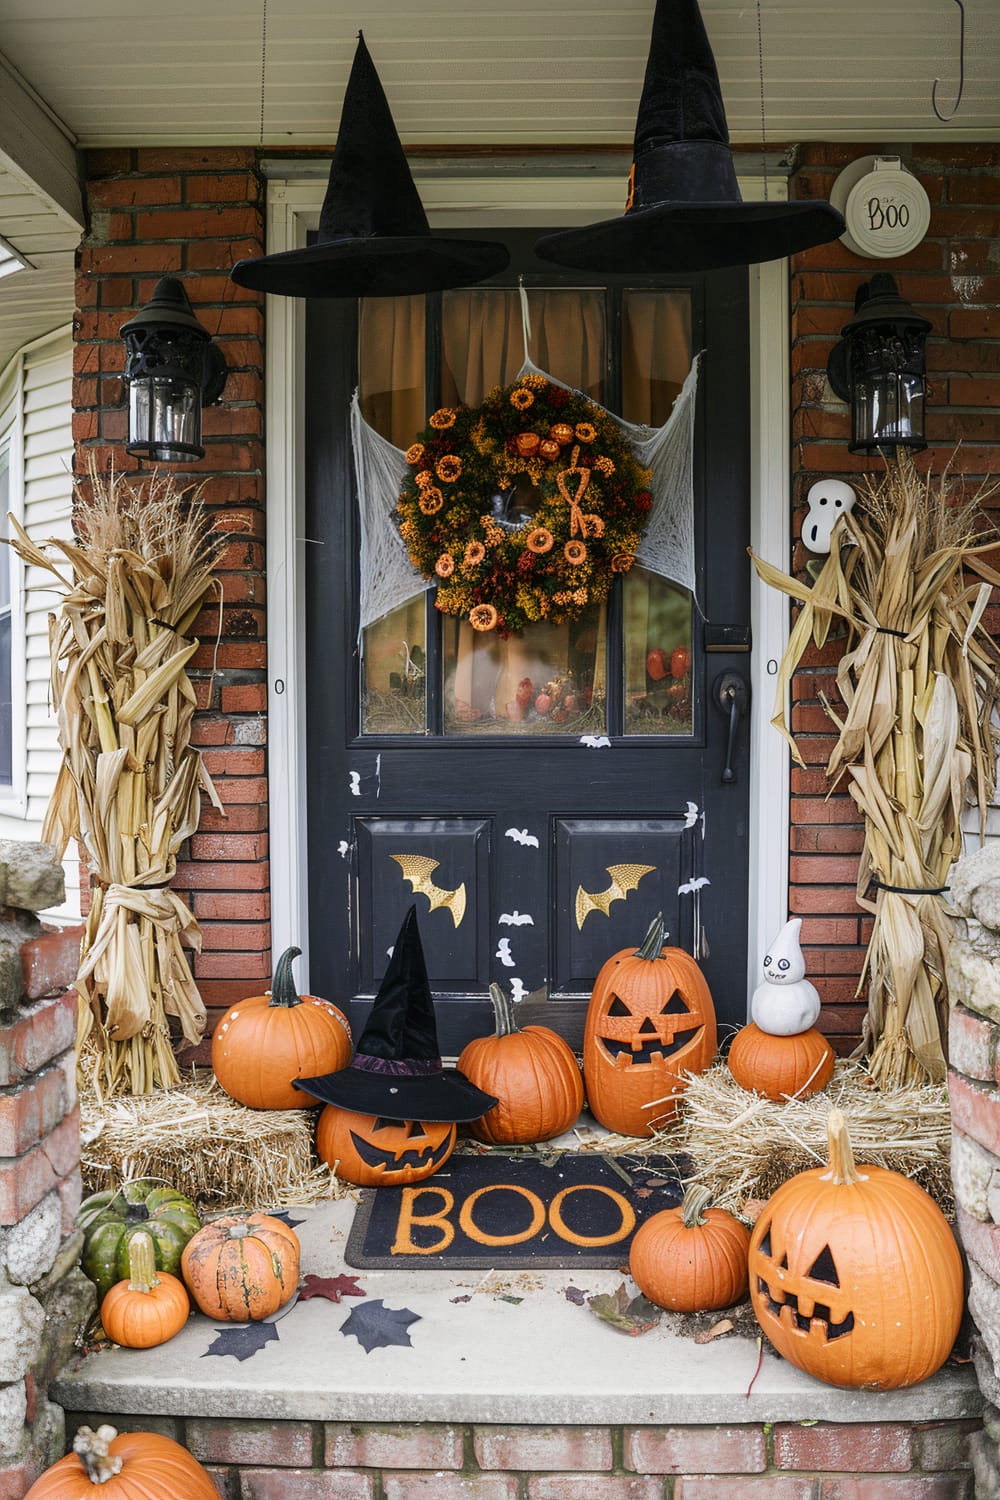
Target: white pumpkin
{"points": [[786, 1003]]}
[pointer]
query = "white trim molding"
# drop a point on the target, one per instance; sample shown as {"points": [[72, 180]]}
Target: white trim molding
{"points": [[464, 199]]}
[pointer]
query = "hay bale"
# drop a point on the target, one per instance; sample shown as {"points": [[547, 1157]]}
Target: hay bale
{"points": [[204, 1144], [746, 1146]]}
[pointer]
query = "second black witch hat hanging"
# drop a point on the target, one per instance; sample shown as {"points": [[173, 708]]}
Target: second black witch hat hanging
{"points": [[373, 239], [684, 210], [396, 1071]]}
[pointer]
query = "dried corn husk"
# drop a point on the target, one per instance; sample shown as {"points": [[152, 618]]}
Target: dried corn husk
{"points": [[129, 784], [920, 681]]}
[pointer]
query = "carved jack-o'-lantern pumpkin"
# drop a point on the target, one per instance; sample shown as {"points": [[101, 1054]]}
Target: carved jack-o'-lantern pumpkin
{"points": [[855, 1275], [650, 1020], [372, 1151]]}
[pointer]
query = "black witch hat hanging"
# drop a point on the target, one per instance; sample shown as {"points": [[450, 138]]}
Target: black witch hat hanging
{"points": [[374, 239], [684, 209], [396, 1071]]}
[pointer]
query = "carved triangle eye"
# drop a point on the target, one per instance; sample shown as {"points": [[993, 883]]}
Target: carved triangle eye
{"points": [[618, 1008], [823, 1268], [381, 1124], [675, 1006]]}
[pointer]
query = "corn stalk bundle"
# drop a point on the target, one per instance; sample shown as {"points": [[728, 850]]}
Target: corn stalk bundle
{"points": [[919, 682], [129, 784]]}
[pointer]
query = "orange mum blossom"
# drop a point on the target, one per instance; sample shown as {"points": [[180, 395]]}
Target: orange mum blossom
{"points": [[414, 454], [423, 479], [431, 502], [520, 399], [604, 465], [474, 554], [445, 565], [586, 432], [539, 540], [575, 553], [444, 417], [449, 468], [483, 617], [622, 561]]}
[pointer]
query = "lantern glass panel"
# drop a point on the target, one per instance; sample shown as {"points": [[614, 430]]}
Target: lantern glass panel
{"points": [[888, 409], [165, 420]]}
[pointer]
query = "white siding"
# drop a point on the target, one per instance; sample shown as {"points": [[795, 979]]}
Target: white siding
{"points": [[39, 383]]}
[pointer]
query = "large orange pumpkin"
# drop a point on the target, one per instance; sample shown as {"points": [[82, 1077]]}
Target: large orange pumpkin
{"points": [[692, 1258], [126, 1466], [532, 1073], [265, 1041], [372, 1151], [650, 1020], [242, 1267], [781, 1067], [855, 1275]]}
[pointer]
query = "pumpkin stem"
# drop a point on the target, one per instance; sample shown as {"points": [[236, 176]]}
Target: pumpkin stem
{"points": [[92, 1450], [503, 1011], [696, 1200], [652, 943], [283, 991], [141, 1263], [842, 1168]]}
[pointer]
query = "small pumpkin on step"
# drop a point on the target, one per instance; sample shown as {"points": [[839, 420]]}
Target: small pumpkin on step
{"points": [[692, 1258], [149, 1307], [242, 1267], [533, 1073]]}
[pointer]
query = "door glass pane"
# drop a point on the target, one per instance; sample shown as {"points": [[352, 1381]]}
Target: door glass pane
{"points": [[657, 655], [549, 680], [482, 340], [395, 681], [656, 353]]}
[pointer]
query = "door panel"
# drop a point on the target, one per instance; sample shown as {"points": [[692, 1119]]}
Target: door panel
{"points": [[430, 761]]}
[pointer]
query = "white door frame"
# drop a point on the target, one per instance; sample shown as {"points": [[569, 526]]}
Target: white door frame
{"points": [[468, 201]]}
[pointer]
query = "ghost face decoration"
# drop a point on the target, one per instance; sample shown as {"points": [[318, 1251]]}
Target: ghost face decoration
{"points": [[372, 1151], [855, 1276], [785, 1003], [650, 1020], [828, 500]]}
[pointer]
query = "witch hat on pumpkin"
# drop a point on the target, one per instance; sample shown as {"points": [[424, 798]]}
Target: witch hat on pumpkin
{"points": [[373, 239], [684, 209], [397, 1071]]}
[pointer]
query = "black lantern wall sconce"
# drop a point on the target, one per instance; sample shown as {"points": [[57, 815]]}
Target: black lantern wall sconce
{"points": [[172, 369], [878, 369]]}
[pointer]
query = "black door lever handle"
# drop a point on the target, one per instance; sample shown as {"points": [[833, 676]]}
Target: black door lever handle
{"points": [[731, 695]]}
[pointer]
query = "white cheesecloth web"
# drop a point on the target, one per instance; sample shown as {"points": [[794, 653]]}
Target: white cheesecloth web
{"points": [[389, 579]]}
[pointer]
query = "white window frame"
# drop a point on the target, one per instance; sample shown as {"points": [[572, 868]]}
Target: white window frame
{"points": [[461, 200], [14, 798]]}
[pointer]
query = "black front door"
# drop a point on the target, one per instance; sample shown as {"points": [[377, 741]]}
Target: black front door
{"points": [[539, 799]]}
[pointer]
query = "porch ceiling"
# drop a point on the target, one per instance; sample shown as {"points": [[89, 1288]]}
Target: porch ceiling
{"points": [[517, 74]]}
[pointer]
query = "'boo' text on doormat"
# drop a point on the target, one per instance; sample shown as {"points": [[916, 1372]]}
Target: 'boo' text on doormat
{"points": [[573, 1209]]}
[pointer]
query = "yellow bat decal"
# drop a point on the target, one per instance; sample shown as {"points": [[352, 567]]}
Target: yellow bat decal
{"points": [[624, 878], [417, 869]]}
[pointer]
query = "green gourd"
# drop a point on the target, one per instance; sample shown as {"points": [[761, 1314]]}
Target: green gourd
{"points": [[109, 1220]]}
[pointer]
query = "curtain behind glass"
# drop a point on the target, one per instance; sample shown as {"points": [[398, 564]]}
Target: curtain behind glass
{"points": [[483, 340]]}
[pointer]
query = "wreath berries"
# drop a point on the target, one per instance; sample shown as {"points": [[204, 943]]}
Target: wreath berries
{"points": [[524, 508]]}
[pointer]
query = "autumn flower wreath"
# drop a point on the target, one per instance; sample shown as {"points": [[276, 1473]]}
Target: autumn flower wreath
{"points": [[524, 508]]}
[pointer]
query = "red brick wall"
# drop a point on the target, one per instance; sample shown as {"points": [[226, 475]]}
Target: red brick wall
{"points": [[448, 1461], [191, 213], [952, 278]]}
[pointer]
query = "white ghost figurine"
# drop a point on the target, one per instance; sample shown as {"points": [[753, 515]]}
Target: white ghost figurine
{"points": [[786, 1003], [828, 500]]}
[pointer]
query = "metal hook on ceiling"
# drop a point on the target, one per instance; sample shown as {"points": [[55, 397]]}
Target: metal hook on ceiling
{"points": [[961, 71]]}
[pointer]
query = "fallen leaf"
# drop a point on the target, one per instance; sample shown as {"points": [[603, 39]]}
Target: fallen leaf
{"points": [[574, 1294], [751, 1208], [708, 1334], [331, 1287], [376, 1326], [628, 1315], [467, 1297]]}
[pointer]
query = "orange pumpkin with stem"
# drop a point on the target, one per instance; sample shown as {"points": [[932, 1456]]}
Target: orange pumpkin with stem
{"points": [[241, 1268], [126, 1466], [855, 1275], [265, 1041], [781, 1067], [533, 1074], [149, 1307], [650, 1021], [692, 1258]]}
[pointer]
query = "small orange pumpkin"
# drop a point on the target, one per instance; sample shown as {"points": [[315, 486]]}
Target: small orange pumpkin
{"points": [[265, 1041], [127, 1466], [241, 1268], [692, 1258], [148, 1308], [372, 1151], [650, 1021], [781, 1067], [532, 1073], [855, 1275]]}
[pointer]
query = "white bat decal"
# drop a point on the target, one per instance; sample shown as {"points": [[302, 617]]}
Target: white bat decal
{"points": [[693, 885], [355, 780], [595, 741], [515, 918], [691, 817], [522, 836], [343, 848], [503, 953], [517, 990]]}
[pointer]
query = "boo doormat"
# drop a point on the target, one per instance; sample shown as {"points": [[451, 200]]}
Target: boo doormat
{"points": [[516, 1211]]}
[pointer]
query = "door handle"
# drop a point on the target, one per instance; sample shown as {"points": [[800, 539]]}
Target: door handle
{"points": [[731, 695]]}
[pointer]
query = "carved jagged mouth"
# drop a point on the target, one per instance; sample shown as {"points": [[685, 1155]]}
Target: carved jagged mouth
{"points": [[373, 1157], [788, 1313], [649, 1050]]}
